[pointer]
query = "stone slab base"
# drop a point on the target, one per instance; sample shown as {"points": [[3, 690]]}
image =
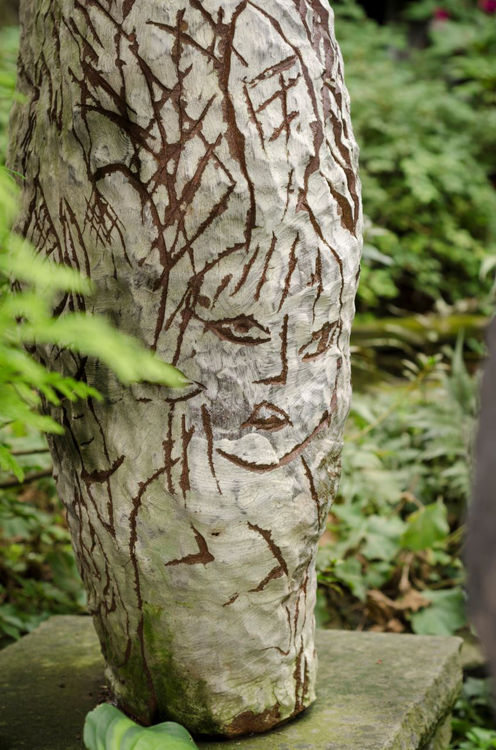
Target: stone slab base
{"points": [[376, 691]]}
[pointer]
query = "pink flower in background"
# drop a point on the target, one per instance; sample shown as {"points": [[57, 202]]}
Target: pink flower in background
{"points": [[488, 6], [440, 14]]}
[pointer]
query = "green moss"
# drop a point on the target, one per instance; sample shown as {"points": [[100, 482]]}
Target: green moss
{"points": [[180, 696]]}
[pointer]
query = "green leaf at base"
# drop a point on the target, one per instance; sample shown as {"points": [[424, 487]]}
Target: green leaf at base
{"points": [[107, 728]]}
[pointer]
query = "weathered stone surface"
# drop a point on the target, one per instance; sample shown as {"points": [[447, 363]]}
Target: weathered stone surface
{"points": [[375, 691], [441, 738], [48, 682]]}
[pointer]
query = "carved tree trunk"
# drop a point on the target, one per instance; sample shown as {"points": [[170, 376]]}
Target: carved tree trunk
{"points": [[195, 158]]}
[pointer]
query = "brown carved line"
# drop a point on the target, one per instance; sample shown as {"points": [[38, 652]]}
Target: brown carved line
{"points": [[133, 532], [184, 37], [282, 377], [202, 557], [348, 169], [285, 125], [317, 278], [89, 22], [313, 491], [207, 426], [168, 445], [192, 186], [263, 277], [299, 682], [223, 283], [334, 253], [187, 434], [291, 267], [231, 600], [219, 208], [267, 536], [235, 138], [186, 316], [288, 191], [74, 223], [253, 117], [236, 329], [347, 218], [288, 457], [276, 572], [287, 117], [246, 271], [325, 337], [274, 69]]}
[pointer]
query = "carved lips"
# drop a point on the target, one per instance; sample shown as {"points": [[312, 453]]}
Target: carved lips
{"points": [[266, 416]]}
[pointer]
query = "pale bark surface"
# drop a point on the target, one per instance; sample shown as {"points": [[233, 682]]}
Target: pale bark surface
{"points": [[195, 158]]}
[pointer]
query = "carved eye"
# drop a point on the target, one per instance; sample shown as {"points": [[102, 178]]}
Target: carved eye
{"points": [[243, 329], [320, 342]]}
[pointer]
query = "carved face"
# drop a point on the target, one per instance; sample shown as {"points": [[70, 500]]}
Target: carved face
{"points": [[220, 188], [274, 364], [258, 324]]}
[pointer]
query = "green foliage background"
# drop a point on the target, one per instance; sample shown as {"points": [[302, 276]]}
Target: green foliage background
{"points": [[423, 94], [426, 124]]}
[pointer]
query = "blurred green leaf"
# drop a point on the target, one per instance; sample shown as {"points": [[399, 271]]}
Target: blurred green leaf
{"points": [[9, 464], [425, 527], [349, 571], [444, 616]]}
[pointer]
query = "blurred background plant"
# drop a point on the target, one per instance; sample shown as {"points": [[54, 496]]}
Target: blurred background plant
{"points": [[422, 80], [425, 120]]}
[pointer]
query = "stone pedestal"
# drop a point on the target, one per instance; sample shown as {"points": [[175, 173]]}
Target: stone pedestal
{"points": [[376, 691]]}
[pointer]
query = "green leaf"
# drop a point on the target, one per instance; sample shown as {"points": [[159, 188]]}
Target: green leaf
{"points": [[382, 538], [479, 739], [425, 527], [25, 265], [107, 728], [350, 573], [8, 463], [444, 616]]}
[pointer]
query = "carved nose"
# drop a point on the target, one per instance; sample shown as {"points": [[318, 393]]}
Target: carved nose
{"points": [[267, 416]]}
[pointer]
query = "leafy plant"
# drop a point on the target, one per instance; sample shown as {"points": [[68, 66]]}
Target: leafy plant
{"points": [[38, 575], [390, 558], [106, 728], [478, 738], [473, 716], [426, 142], [9, 42]]}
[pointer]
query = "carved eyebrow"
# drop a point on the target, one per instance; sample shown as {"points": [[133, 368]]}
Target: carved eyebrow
{"points": [[321, 339], [242, 329]]}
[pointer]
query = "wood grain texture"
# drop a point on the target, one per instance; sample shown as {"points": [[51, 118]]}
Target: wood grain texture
{"points": [[195, 158]]}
